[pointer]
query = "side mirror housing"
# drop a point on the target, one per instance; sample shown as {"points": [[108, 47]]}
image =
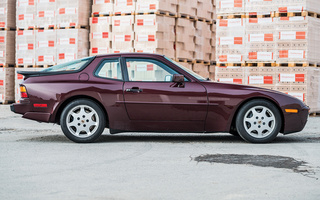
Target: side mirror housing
{"points": [[178, 78]]}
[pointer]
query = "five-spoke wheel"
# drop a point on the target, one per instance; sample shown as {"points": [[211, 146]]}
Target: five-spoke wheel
{"points": [[82, 121]]}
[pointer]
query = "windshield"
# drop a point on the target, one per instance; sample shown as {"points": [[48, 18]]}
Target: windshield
{"points": [[69, 66], [197, 76]]}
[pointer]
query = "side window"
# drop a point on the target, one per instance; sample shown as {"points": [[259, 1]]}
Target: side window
{"points": [[148, 70], [110, 69]]}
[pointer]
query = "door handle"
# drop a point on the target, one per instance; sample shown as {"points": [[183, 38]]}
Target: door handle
{"points": [[134, 90]]}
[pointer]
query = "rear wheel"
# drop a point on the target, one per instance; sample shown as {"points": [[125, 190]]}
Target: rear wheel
{"points": [[258, 121], [82, 121]]}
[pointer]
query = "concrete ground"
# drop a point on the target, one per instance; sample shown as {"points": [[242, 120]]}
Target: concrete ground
{"points": [[38, 162]]}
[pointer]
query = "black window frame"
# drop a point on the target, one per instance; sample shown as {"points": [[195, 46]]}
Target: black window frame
{"points": [[101, 64]]}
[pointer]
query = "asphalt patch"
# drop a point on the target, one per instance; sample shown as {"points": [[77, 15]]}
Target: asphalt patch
{"points": [[259, 161]]}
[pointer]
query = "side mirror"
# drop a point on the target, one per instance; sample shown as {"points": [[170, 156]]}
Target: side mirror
{"points": [[178, 78]]}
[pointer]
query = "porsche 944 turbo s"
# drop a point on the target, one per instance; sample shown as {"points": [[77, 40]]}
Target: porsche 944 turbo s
{"points": [[135, 92]]}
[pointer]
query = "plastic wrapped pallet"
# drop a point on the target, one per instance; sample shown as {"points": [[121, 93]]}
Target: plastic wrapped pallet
{"points": [[203, 37], [230, 43], [185, 38], [7, 13], [7, 47], [25, 47], [123, 33], [187, 7], [261, 6], [230, 6], [146, 6], [46, 47], [46, 10], [72, 44], [124, 6], [205, 9], [6, 84], [102, 7], [154, 34], [260, 76], [26, 14], [261, 37], [298, 5], [18, 78], [73, 13], [100, 35], [298, 39], [234, 75]]}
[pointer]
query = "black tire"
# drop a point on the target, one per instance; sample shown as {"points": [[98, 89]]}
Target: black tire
{"points": [[258, 121], [82, 121]]}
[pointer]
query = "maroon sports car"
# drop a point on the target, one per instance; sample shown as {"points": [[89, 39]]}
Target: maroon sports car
{"points": [[147, 92]]}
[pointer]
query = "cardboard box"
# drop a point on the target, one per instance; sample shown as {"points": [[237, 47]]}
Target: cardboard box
{"points": [[147, 6], [6, 84], [25, 47], [7, 13], [7, 47]]}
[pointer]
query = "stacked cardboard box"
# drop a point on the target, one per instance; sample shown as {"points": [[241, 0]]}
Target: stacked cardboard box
{"points": [[45, 16], [261, 37], [205, 9], [298, 39], [100, 35], [46, 47], [26, 14], [7, 47], [25, 47], [102, 7], [298, 5], [187, 7], [123, 33], [124, 6], [72, 44], [203, 37], [39, 39], [185, 38], [230, 42], [147, 6], [154, 34], [7, 14], [6, 84]]}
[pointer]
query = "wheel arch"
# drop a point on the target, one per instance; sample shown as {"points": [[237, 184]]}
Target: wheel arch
{"points": [[233, 122], [67, 101]]}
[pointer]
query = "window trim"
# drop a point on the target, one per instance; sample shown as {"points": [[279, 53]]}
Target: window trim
{"points": [[100, 65], [146, 58]]}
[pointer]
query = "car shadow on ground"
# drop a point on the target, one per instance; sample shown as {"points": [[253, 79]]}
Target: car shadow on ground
{"points": [[185, 138]]}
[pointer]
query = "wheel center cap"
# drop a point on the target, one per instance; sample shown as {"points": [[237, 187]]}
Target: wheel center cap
{"points": [[82, 121], [259, 122]]}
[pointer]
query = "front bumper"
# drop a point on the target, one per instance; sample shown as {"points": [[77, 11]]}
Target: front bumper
{"points": [[296, 122]]}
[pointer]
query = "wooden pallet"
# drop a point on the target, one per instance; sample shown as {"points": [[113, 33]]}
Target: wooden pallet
{"points": [[260, 64], [25, 66], [297, 64], [231, 64], [161, 13], [7, 29], [185, 60], [204, 62], [6, 65], [315, 114], [258, 15], [7, 102], [185, 16], [101, 14], [298, 14], [24, 29], [76, 27], [232, 16], [47, 28], [122, 14]]}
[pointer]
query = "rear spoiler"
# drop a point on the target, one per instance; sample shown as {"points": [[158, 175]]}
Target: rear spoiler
{"points": [[27, 74]]}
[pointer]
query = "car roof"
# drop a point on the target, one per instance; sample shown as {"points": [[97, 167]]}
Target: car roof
{"points": [[131, 54]]}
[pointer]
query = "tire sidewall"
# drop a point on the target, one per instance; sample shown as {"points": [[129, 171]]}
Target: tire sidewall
{"points": [[240, 118], [100, 113]]}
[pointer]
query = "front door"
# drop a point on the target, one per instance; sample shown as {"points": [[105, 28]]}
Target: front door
{"points": [[154, 102]]}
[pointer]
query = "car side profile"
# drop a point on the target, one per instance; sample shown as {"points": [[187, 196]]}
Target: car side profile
{"points": [[139, 92]]}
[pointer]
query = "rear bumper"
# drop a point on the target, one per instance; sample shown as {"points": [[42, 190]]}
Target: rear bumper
{"points": [[28, 112]]}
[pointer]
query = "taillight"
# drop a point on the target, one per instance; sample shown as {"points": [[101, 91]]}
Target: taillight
{"points": [[23, 92]]}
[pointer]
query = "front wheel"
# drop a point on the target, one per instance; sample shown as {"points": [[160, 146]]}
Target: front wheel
{"points": [[82, 121], [258, 121]]}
